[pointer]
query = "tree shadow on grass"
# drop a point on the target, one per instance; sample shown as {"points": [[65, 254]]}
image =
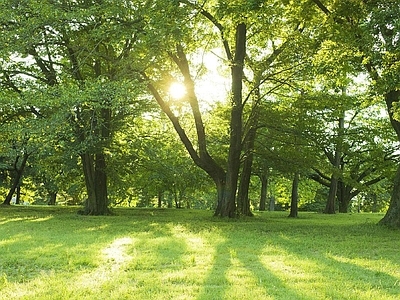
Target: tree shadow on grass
{"points": [[342, 276], [237, 273], [95, 251], [305, 268]]}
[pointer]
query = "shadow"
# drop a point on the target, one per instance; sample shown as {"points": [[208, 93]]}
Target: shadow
{"points": [[156, 255], [335, 265], [215, 282], [238, 273]]}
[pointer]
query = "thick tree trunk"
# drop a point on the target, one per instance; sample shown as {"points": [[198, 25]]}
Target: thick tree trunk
{"points": [[221, 187], [94, 170], [235, 141], [295, 197], [94, 166], [19, 170]]}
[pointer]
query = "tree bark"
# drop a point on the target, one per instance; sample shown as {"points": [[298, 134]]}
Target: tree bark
{"points": [[243, 192], [235, 141], [344, 195], [94, 170], [94, 165], [295, 197]]}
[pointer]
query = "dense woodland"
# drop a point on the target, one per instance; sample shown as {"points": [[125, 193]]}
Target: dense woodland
{"points": [[283, 105]]}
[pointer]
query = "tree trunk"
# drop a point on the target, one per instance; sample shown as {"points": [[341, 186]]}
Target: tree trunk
{"points": [[160, 199], [52, 198], [18, 194], [392, 216], [225, 181], [330, 207], [235, 141], [243, 193], [344, 196], [331, 203], [94, 170], [264, 189], [19, 170], [295, 197], [94, 165]]}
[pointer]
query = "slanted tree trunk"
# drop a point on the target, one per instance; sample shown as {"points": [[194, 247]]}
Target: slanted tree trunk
{"points": [[18, 170], [392, 216], [294, 197], [225, 181]]}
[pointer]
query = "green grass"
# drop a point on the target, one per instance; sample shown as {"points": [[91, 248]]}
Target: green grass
{"points": [[54, 253]]}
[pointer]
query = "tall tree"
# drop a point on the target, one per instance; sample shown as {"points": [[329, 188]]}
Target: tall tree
{"points": [[265, 38], [371, 29], [72, 49]]}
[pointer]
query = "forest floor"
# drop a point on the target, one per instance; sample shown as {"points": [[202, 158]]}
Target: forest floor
{"points": [[54, 253]]}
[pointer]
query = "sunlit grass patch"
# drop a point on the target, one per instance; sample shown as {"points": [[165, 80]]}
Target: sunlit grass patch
{"points": [[188, 254]]}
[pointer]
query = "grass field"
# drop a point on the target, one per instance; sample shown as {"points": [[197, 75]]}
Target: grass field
{"points": [[54, 253]]}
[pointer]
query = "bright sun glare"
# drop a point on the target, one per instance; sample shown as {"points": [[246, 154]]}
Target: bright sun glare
{"points": [[177, 90]]}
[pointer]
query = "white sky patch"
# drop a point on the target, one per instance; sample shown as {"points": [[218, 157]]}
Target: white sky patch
{"points": [[213, 86]]}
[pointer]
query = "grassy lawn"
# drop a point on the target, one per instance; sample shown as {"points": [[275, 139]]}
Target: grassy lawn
{"points": [[53, 253]]}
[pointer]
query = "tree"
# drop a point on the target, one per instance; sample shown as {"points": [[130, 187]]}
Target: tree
{"points": [[74, 51], [369, 27], [217, 16]]}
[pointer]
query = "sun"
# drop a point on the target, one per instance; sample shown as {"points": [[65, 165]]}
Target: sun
{"points": [[177, 90]]}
